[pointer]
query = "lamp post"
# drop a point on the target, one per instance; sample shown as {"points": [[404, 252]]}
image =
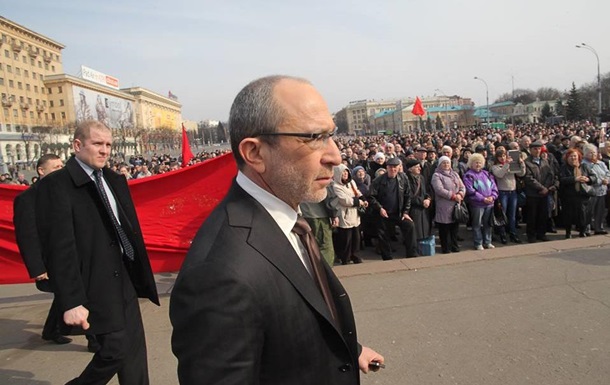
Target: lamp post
{"points": [[599, 81], [446, 108], [486, 100]]}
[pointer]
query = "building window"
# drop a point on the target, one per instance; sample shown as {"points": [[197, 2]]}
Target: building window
{"points": [[26, 73], [53, 68], [9, 69], [49, 91], [32, 62], [30, 101], [61, 102], [33, 75], [31, 114], [9, 128], [17, 71], [39, 64], [59, 90], [6, 53], [6, 112], [36, 89], [63, 115], [15, 113], [20, 85], [15, 56], [27, 86], [11, 83], [51, 103], [46, 66], [21, 99], [53, 115], [24, 60], [1, 81]]}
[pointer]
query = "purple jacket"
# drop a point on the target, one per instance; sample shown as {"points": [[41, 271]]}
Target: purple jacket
{"points": [[479, 185]]}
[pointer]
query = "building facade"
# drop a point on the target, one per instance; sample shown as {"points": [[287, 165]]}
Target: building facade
{"points": [[41, 105]]}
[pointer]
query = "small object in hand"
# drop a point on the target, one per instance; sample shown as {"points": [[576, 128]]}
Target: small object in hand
{"points": [[376, 365]]}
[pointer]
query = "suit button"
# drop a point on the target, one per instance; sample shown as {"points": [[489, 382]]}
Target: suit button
{"points": [[116, 273], [345, 368], [350, 333]]}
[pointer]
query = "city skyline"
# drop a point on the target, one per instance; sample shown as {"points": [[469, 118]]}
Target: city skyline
{"points": [[205, 52]]}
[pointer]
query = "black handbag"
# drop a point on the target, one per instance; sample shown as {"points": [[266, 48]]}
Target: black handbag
{"points": [[460, 213], [498, 217]]}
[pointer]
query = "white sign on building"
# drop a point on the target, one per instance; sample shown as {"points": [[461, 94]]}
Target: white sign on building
{"points": [[98, 77]]}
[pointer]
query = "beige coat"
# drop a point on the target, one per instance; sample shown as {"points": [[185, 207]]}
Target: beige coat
{"points": [[346, 200]]}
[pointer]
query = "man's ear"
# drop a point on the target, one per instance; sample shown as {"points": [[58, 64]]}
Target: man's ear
{"points": [[253, 152], [76, 145]]}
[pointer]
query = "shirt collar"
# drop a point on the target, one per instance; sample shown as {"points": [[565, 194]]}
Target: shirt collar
{"points": [[86, 168], [282, 214]]}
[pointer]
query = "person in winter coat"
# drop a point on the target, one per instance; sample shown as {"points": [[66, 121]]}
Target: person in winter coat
{"points": [[448, 191], [481, 192], [346, 239], [421, 201], [507, 189], [574, 199], [596, 212]]}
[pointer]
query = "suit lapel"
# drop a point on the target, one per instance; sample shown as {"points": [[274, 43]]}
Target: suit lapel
{"points": [[268, 239]]}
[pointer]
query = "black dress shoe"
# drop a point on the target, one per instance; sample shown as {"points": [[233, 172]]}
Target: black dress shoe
{"points": [[455, 249], [58, 339], [568, 236], [503, 239], [601, 232], [356, 260], [583, 235]]}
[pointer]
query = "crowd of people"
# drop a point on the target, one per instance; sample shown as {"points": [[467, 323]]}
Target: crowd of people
{"points": [[545, 177]]}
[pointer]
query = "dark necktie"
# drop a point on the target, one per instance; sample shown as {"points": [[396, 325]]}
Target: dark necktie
{"points": [[127, 247], [302, 229]]}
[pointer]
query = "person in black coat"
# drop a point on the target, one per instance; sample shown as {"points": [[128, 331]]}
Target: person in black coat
{"points": [[573, 178], [96, 258], [421, 201], [24, 219]]}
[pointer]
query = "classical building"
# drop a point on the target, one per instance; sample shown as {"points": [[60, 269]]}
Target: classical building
{"points": [[360, 114], [41, 105], [26, 58]]}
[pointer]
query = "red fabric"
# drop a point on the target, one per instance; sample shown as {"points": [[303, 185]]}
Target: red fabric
{"points": [[418, 108], [187, 154], [171, 207]]}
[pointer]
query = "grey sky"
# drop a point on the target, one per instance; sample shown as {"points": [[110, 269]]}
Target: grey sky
{"points": [[205, 51]]}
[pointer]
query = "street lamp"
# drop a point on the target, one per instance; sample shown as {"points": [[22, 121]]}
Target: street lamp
{"points": [[599, 81], [486, 100], [446, 108]]}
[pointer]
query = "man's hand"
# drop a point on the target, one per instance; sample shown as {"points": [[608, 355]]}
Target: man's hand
{"points": [[42, 277], [334, 222], [77, 316], [383, 213], [367, 356], [406, 217], [426, 203], [544, 191]]}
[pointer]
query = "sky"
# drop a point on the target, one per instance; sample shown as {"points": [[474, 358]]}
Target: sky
{"points": [[206, 51]]}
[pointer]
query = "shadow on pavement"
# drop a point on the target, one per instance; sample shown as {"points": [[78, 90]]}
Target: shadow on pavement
{"points": [[19, 377]]}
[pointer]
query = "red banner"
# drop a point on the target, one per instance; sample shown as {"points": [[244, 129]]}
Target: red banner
{"points": [[171, 207]]}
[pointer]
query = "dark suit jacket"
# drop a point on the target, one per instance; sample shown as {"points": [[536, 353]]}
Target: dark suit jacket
{"points": [[246, 311], [538, 177], [82, 250]]}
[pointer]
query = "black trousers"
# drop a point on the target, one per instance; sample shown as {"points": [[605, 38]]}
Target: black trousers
{"points": [[596, 213], [123, 352], [386, 229], [536, 217], [51, 325], [346, 242], [448, 234]]}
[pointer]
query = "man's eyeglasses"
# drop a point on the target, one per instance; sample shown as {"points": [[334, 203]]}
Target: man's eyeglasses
{"points": [[315, 139]]}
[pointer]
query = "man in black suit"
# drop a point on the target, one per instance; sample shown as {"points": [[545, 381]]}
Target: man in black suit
{"points": [[95, 254], [247, 307], [24, 219]]}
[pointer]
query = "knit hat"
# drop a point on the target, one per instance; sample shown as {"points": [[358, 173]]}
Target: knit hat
{"points": [[444, 159]]}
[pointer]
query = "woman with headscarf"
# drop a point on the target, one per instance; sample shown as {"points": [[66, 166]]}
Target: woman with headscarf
{"points": [[448, 190], [346, 240], [574, 199], [481, 192]]}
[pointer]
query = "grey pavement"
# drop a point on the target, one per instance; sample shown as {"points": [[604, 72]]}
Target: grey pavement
{"points": [[526, 314]]}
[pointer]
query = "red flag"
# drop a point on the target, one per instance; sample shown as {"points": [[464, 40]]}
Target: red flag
{"points": [[187, 154], [418, 109]]}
